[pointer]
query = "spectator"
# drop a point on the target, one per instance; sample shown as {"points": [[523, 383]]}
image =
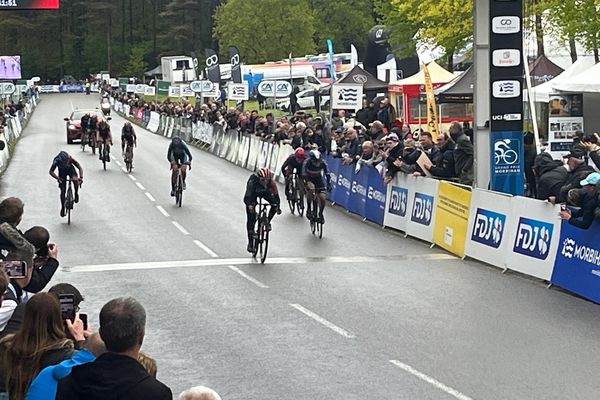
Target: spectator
{"points": [[116, 374], [463, 154], [386, 114], [375, 132], [367, 114], [351, 148], [3, 284], [550, 176], [406, 133], [430, 148], [45, 262], [317, 100], [584, 216], [370, 156], [11, 239], [578, 171], [294, 100], [40, 342], [393, 157], [590, 144], [530, 155], [199, 393], [45, 383], [444, 168], [338, 120], [148, 363]]}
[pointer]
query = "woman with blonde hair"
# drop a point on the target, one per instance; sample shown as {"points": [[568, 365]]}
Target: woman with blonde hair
{"points": [[40, 342]]}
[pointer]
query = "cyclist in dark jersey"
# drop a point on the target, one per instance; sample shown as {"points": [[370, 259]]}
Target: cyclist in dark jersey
{"points": [[128, 137], [314, 170], [178, 154], [66, 168], [103, 135], [292, 164], [260, 184]]}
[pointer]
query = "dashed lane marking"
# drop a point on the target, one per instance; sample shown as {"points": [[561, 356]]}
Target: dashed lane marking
{"points": [[323, 321], [162, 211], [140, 186], [215, 262], [248, 277], [132, 177], [118, 163], [181, 228], [149, 196], [432, 381], [205, 248]]}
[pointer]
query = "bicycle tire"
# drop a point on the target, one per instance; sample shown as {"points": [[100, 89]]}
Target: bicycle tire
{"points": [[93, 146], [83, 142], [320, 230], [264, 240], [69, 204], [300, 203], [179, 190]]}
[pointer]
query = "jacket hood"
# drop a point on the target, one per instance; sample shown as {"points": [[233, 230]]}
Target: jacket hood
{"points": [[110, 377], [544, 163]]}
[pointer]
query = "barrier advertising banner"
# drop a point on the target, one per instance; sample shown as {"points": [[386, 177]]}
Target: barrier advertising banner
{"points": [[577, 265], [341, 195], [534, 239], [357, 202], [243, 150], [334, 166], [375, 196], [422, 207], [347, 96], [396, 208], [174, 91], [487, 234], [452, 217], [154, 121]]}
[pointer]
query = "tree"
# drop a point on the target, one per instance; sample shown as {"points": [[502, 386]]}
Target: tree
{"points": [[136, 66], [344, 22], [265, 30], [402, 30]]}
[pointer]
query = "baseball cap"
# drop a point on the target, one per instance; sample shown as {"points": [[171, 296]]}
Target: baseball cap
{"points": [[592, 179], [392, 136], [339, 129], [576, 152]]}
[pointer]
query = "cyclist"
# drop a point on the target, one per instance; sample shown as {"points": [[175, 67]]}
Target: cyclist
{"points": [[291, 165], [86, 122], [66, 168], [178, 154], [129, 138], [103, 135], [260, 185], [313, 170]]}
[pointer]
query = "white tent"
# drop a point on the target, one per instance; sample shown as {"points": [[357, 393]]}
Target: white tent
{"points": [[587, 81], [541, 93]]}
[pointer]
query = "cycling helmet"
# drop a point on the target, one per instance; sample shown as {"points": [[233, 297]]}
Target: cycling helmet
{"points": [[315, 154], [176, 140], [264, 173], [299, 153], [62, 157]]}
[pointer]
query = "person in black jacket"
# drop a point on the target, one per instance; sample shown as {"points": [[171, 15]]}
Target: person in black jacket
{"points": [[463, 154], [444, 168], [578, 171], [530, 154], [393, 157], [590, 144], [588, 200], [550, 176], [116, 374]]}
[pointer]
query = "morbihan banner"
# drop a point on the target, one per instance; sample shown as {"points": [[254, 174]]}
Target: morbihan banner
{"points": [[238, 91], [346, 96], [534, 239], [490, 222]]}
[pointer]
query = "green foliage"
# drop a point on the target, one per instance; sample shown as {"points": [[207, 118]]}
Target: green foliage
{"points": [[136, 66], [402, 29], [265, 29]]}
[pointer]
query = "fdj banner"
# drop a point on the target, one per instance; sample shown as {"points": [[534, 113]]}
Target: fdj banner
{"points": [[450, 230], [347, 96], [508, 162], [577, 266]]}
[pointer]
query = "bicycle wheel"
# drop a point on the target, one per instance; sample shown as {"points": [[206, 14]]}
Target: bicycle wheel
{"points": [[264, 239], [83, 141], [292, 200], [93, 146], [179, 190], [300, 202], [319, 229], [129, 160], [69, 204]]}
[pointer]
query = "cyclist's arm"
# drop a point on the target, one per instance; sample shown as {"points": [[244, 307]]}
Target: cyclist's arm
{"points": [[187, 151], [303, 172], [52, 169], [170, 152], [79, 168], [286, 163]]}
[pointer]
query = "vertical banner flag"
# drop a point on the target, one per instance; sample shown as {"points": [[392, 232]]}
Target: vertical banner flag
{"points": [[195, 60], [432, 115], [353, 56], [508, 162], [236, 70], [212, 66], [331, 63]]}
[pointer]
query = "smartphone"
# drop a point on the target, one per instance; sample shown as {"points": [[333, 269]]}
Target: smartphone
{"points": [[15, 269], [67, 306], [83, 318], [563, 207]]}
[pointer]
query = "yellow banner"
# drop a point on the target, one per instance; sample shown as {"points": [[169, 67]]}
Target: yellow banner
{"points": [[452, 218], [432, 114]]}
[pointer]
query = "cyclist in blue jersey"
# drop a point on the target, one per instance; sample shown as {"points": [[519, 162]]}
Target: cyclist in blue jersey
{"points": [[315, 173], [178, 154]]}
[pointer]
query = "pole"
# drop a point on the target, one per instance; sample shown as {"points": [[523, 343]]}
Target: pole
{"points": [[531, 100]]}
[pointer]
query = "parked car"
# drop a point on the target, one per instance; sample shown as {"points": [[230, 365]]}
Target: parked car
{"points": [[306, 100], [73, 124]]}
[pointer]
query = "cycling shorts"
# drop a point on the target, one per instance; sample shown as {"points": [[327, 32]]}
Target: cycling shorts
{"points": [[179, 158], [319, 183], [63, 173]]}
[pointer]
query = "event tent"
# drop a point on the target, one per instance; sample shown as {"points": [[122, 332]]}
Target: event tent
{"points": [[369, 82], [541, 93], [587, 81], [543, 70], [460, 90], [436, 72]]}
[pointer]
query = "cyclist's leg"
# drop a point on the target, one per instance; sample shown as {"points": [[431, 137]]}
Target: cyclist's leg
{"points": [[73, 175], [63, 189], [173, 176], [250, 222], [288, 185], [184, 173], [310, 188]]}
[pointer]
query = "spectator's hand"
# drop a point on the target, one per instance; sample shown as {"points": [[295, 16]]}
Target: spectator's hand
{"points": [[76, 328], [387, 180], [552, 199], [417, 173], [52, 251], [398, 163], [597, 136], [565, 214], [347, 160]]}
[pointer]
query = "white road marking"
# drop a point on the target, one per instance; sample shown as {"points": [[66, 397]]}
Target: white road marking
{"points": [[205, 248], [124, 169], [432, 381], [72, 106], [323, 321], [132, 177], [248, 261], [149, 196], [181, 228], [162, 211], [114, 158], [248, 277], [140, 186], [118, 163]]}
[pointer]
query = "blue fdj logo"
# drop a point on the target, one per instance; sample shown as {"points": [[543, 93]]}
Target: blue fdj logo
{"points": [[533, 238], [488, 228], [422, 209], [398, 201]]}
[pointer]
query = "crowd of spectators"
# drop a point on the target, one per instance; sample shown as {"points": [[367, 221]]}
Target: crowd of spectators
{"points": [[48, 352]]}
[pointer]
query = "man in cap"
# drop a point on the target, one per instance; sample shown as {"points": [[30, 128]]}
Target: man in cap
{"points": [[588, 200], [578, 170]]}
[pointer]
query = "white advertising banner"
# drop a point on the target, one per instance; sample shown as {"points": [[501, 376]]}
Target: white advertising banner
{"points": [[169, 127], [285, 150], [534, 237], [140, 89], [130, 88], [238, 91], [346, 96], [421, 207], [153, 122], [242, 155], [397, 207], [174, 91], [255, 149], [561, 131], [150, 91], [489, 228], [185, 91]]}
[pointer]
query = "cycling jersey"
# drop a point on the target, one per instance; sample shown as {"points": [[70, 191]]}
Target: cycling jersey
{"points": [[104, 132], [314, 173], [179, 152], [254, 190], [65, 165], [127, 134], [292, 164]]}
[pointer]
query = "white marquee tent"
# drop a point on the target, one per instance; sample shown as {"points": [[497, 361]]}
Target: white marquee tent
{"points": [[587, 81], [541, 93]]}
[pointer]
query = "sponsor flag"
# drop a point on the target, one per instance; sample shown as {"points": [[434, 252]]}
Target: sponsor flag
{"points": [[236, 70], [432, 115], [195, 60], [331, 63], [212, 66], [353, 56]]}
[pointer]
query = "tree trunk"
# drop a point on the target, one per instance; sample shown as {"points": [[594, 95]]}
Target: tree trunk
{"points": [[573, 48], [154, 12], [596, 56], [539, 35], [450, 60]]}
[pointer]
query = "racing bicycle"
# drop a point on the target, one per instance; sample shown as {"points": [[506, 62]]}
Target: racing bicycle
{"points": [[128, 157], [179, 184], [316, 225], [297, 199], [103, 149], [70, 198], [261, 235]]}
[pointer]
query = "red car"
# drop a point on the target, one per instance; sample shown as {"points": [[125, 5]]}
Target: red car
{"points": [[74, 123]]}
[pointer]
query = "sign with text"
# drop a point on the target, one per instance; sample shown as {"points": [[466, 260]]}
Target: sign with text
{"points": [[7, 88], [452, 217], [275, 88], [347, 96], [565, 118], [238, 91], [508, 162], [29, 4]]}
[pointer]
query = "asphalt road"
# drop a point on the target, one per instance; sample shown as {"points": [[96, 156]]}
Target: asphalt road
{"points": [[362, 314]]}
